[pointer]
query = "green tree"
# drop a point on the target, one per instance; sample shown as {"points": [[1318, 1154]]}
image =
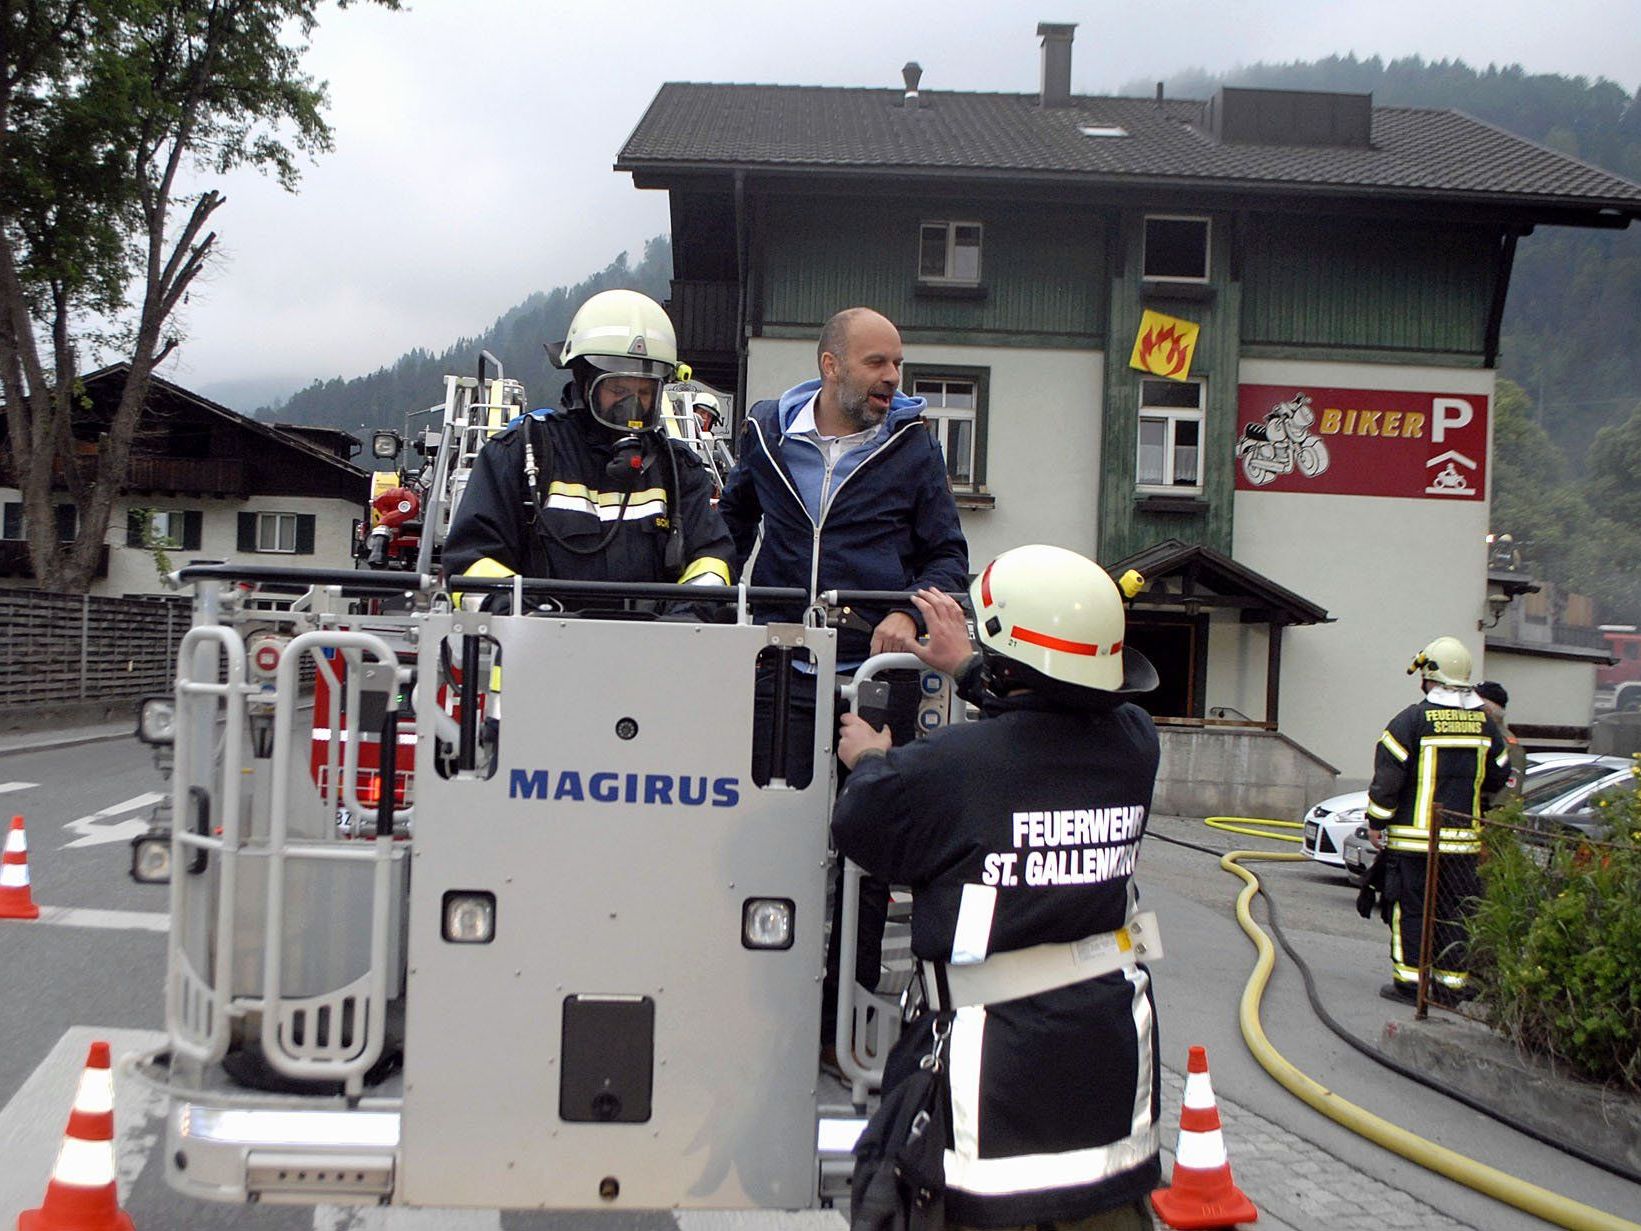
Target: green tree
{"points": [[105, 105]]}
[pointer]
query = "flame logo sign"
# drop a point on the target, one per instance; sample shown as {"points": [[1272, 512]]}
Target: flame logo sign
{"points": [[1164, 351]]}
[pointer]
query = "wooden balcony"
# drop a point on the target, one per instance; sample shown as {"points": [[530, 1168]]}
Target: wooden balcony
{"points": [[187, 476], [179, 476]]}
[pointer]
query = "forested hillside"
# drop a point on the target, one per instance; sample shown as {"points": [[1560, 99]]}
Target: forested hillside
{"points": [[415, 381]]}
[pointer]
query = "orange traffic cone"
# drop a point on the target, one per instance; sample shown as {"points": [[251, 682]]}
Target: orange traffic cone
{"points": [[16, 902], [81, 1195], [1203, 1194]]}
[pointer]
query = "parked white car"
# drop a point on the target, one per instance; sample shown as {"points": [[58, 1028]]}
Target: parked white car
{"points": [[1329, 823], [1557, 783]]}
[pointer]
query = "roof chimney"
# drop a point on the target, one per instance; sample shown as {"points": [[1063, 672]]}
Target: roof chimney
{"points": [[912, 73], [1056, 62]]}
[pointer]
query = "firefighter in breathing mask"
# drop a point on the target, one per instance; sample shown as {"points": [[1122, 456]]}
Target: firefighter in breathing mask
{"points": [[594, 490]]}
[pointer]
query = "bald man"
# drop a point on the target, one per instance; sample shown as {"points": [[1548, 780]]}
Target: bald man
{"points": [[839, 486]]}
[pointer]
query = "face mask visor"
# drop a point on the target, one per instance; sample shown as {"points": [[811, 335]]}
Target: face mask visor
{"points": [[625, 394]]}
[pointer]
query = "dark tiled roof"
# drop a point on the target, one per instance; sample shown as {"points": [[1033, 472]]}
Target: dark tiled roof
{"points": [[1415, 152], [117, 372]]}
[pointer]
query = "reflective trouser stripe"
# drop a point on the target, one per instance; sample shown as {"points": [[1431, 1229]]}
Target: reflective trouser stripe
{"points": [[1019, 1173]]}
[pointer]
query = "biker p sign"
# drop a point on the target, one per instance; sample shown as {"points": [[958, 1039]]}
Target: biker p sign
{"points": [[1361, 442]]}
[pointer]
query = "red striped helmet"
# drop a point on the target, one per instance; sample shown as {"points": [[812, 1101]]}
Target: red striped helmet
{"points": [[1060, 614]]}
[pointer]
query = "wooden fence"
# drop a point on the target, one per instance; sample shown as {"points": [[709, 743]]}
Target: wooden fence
{"points": [[58, 649]]}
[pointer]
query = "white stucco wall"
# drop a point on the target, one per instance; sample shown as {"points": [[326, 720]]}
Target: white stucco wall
{"points": [[1551, 692], [1042, 436], [1393, 573], [1236, 666], [132, 570]]}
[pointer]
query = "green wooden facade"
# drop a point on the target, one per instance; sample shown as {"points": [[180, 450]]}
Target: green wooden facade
{"points": [[1043, 269], [1361, 284], [1282, 284], [1129, 521]]}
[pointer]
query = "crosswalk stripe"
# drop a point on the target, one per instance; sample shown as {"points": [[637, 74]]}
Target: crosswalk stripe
{"points": [[119, 920], [8, 787]]}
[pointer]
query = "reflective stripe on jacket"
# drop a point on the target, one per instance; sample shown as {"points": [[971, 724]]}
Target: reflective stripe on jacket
{"points": [[496, 518], [1439, 754]]}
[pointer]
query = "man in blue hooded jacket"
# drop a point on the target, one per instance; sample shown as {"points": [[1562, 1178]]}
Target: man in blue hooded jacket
{"points": [[839, 486]]}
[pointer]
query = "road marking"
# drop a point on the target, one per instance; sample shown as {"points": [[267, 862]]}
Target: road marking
{"points": [[32, 1123], [401, 1218], [6, 787], [91, 917], [92, 833], [759, 1220]]}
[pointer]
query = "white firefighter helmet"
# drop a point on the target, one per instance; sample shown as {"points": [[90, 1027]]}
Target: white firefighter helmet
{"points": [[1444, 660], [621, 334], [1060, 614]]}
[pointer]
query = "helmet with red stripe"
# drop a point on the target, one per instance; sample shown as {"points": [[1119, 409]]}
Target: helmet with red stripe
{"points": [[1060, 615]]}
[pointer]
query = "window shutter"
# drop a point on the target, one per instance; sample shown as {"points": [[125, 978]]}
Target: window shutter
{"points": [[133, 527], [247, 532], [304, 534], [193, 529]]}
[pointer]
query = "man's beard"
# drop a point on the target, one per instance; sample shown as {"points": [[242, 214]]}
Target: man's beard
{"points": [[856, 406]]}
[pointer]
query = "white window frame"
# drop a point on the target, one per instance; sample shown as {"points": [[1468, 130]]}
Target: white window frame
{"points": [[938, 419], [1207, 249], [1171, 417], [948, 278], [175, 531], [279, 521]]}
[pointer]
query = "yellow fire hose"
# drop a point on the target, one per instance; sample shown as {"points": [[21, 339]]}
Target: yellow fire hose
{"points": [[1540, 1202], [1245, 824]]}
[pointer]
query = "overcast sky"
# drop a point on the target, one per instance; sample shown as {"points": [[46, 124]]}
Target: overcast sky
{"points": [[474, 138]]}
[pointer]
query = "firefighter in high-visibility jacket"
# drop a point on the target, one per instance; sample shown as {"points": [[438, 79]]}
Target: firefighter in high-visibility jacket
{"points": [[1018, 835], [595, 491], [1438, 764]]}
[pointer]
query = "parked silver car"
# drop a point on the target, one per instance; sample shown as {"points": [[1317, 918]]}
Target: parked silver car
{"points": [[1560, 793]]}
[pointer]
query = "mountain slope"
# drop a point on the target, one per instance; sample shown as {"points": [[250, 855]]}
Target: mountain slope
{"points": [[518, 338]]}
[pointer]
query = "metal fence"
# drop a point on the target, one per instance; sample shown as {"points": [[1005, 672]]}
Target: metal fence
{"points": [[58, 649]]}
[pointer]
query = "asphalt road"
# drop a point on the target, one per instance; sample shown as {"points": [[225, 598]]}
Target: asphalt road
{"points": [[96, 971]]}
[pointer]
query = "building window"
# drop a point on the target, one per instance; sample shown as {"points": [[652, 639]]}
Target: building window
{"points": [[277, 533], [956, 418], [167, 529], [67, 517], [1170, 453], [1176, 249], [949, 252]]}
